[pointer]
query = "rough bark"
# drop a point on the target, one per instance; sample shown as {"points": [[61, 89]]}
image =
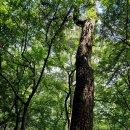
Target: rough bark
{"points": [[82, 114]]}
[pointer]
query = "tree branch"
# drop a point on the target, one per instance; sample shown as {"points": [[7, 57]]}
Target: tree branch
{"points": [[48, 54], [70, 81], [16, 94], [76, 19]]}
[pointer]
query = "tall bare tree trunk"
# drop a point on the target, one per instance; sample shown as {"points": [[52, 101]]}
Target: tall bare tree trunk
{"points": [[82, 113]]}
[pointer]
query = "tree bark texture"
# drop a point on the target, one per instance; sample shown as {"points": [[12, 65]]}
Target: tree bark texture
{"points": [[82, 113]]}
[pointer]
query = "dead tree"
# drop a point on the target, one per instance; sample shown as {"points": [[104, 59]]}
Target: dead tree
{"points": [[82, 113]]}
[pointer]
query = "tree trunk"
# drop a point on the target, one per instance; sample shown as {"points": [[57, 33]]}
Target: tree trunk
{"points": [[24, 116], [17, 112], [82, 114]]}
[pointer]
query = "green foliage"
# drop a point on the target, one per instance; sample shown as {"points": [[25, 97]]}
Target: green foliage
{"points": [[29, 28], [92, 14]]}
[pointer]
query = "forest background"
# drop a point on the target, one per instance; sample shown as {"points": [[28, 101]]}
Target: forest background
{"points": [[38, 44]]}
